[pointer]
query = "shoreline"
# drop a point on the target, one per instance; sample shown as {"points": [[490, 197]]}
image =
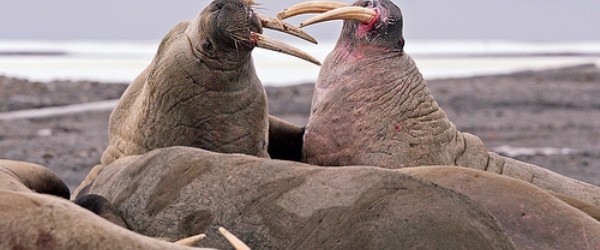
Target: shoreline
{"points": [[122, 60], [549, 118]]}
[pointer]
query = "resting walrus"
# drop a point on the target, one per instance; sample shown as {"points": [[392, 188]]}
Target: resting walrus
{"points": [[371, 106], [175, 192], [201, 90]]}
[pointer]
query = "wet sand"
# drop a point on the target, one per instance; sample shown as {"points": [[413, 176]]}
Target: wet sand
{"points": [[550, 118]]}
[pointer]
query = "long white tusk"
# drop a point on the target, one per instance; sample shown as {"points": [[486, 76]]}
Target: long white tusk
{"points": [[274, 45], [345, 13], [235, 242], [191, 241], [309, 7], [276, 24]]}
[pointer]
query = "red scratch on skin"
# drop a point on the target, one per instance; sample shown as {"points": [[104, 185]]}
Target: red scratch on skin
{"points": [[364, 28], [398, 127]]}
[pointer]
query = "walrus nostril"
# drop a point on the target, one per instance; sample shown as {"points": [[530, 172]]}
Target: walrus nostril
{"points": [[207, 46]]}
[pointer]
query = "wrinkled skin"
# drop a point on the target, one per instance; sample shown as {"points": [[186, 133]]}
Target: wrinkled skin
{"points": [[179, 191], [371, 106], [36, 215], [200, 90], [532, 218]]}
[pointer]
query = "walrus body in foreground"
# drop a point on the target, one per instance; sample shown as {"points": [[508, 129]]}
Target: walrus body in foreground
{"points": [[179, 191], [35, 214], [371, 106]]}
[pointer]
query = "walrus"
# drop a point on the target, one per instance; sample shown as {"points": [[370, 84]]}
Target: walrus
{"points": [[178, 191], [371, 106], [201, 89]]}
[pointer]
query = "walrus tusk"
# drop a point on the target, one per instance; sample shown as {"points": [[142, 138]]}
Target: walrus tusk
{"points": [[309, 7], [267, 43], [191, 241], [235, 242], [276, 24], [345, 13]]}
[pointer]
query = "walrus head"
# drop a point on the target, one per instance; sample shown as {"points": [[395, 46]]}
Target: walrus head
{"points": [[375, 23], [226, 31]]}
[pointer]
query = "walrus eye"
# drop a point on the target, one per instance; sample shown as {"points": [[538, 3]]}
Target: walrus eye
{"points": [[400, 44]]}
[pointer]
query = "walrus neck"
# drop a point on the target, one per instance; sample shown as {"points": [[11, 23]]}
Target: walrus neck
{"points": [[350, 51], [226, 80]]}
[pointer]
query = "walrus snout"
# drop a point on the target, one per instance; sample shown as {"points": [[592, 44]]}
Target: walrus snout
{"points": [[233, 23]]}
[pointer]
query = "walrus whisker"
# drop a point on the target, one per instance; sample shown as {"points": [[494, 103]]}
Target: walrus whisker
{"points": [[235, 242], [266, 43], [277, 24], [191, 241], [345, 13], [309, 7]]}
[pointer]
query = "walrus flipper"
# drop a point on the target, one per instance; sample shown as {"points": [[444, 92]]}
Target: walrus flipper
{"points": [[34, 177], [285, 140]]}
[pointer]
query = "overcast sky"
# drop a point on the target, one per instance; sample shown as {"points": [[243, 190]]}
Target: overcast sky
{"points": [[528, 20]]}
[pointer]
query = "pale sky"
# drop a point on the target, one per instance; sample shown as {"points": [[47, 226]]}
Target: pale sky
{"points": [[516, 20]]}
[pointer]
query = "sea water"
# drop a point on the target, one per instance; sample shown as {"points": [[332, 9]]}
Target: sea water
{"points": [[122, 61]]}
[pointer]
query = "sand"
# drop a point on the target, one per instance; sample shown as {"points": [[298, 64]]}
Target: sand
{"points": [[550, 118]]}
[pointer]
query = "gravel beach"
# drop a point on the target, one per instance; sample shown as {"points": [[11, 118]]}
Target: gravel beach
{"points": [[550, 118]]}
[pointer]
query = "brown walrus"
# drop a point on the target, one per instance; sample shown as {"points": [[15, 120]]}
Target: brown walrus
{"points": [[201, 89], [175, 192], [371, 106]]}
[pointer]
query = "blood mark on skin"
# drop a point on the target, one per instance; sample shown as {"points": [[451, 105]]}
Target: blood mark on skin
{"points": [[363, 28]]}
